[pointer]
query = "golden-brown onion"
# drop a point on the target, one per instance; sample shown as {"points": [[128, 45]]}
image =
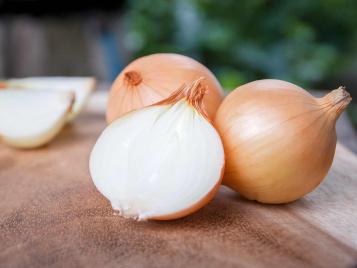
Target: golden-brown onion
{"points": [[153, 78], [279, 140]]}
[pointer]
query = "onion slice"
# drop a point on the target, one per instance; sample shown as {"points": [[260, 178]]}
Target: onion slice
{"points": [[32, 118], [81, 86], [161, 162]]}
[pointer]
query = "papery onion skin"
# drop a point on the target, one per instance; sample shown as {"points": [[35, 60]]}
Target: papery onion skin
{"points": [[152, 78], [279, 140]]}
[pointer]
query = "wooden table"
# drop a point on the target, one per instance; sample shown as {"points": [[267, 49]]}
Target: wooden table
{"points": [[52, 215]]}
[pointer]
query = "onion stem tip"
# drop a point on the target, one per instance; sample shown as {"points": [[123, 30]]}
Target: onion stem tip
{"points": [[133, 78]]}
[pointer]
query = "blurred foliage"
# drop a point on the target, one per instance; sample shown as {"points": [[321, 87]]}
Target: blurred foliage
{"points": [[303, 41]]}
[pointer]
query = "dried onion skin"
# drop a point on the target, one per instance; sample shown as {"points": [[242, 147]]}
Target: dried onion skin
{"points": [[279, 140]]}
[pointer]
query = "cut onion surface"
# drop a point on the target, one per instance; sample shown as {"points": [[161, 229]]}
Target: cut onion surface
{"points": [[81, 86], [32, 118]]}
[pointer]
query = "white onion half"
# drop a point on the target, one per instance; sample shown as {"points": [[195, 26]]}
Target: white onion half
{"points": [[161, 162]]}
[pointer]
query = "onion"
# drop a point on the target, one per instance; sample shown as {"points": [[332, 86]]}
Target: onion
{"points": [[278, 139], [161, 162], [81, 86], [32, 118], [153, 78]]}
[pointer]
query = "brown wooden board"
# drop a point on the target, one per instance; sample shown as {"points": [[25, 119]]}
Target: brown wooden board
{"points": [[52, 215]]}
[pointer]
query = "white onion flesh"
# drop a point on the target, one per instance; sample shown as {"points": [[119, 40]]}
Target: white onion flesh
{"points": [[31, 118], [157, 161], [81, 86]]}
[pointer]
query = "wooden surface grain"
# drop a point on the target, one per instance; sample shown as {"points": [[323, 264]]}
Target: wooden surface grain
{"points": [[52, 215]]}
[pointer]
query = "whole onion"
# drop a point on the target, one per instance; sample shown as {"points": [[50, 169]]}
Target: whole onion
{"points": [[279, 140], [153, 78]]}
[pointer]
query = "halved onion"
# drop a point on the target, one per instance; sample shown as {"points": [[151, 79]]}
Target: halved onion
{"points": [[161, 162]]}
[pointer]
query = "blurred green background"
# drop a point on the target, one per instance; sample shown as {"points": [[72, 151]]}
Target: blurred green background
{"points": [[310, 43]]}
